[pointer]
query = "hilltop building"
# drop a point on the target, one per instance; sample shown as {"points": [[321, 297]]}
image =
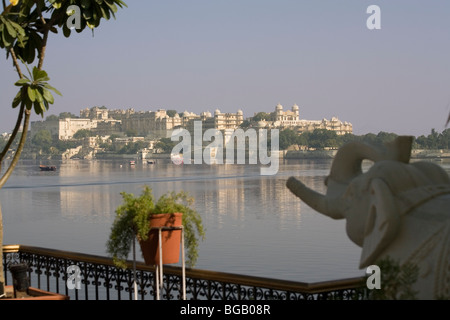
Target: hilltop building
{"points": [[227, 121], [223, 121], [291, 119], [102, 113], [160, 123], [69, 126], [65, 128], [156, 123], [95, 113]]}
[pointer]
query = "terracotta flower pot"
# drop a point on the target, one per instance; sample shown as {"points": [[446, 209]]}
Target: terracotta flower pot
{"points": [[170, 239]]}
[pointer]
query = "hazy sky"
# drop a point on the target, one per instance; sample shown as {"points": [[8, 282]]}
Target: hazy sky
{"points": [[199, 55]]}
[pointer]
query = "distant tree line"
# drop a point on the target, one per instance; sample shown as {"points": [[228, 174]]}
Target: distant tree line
{"points": [[43, 142], [322, 138], [434, 140], [62, 115]]}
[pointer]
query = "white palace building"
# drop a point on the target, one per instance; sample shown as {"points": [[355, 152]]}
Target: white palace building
{"points": [[158, 123], [291, 119]]}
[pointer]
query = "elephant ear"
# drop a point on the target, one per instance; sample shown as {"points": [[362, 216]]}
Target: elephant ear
{"points": [[383, 222]]}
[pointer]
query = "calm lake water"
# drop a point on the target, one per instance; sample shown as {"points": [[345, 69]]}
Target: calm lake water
{"points": [[254, 225]]}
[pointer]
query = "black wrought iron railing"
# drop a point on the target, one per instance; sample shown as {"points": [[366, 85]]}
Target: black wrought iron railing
{"points": [[88, 277]]}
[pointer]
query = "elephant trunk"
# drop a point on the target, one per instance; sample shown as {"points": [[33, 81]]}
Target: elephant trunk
{"points": [[346, 166], [331, 207]]}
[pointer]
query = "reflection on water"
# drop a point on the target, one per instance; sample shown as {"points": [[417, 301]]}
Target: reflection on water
{"points": [[254, 225]]}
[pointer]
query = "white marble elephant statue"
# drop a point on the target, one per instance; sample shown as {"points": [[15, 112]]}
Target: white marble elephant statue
{"points": [[396, 208]]}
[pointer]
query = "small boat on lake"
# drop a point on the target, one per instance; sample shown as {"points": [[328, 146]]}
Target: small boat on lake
{"points": [[132, 162], [151, 161], [47, 168]]}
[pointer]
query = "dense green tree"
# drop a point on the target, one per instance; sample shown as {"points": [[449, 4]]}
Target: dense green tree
{"points": [[264, 116], [42, 140], [434, 140], [165, 144], [171, 113], [64, 115], [421, 142], [322, 138], [383, 137], [52, 117], [369, 138], [63, 145], [83, 133], [131, 133], [3, 141], [444, 139], [287, 138], [245, 124], [302, 140], [343, 139], [133, 147]]}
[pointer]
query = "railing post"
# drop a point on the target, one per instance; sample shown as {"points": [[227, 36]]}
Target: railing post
{"points": [[134, 269], [183, 270]]}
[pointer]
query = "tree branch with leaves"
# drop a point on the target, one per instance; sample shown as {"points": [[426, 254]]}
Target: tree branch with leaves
{"points": [[25, 26]]}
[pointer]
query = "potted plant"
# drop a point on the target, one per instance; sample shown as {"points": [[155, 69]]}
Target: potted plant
{"points": [[138, 214]]}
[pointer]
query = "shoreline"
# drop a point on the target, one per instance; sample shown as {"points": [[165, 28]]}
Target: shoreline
{"points": [[417, 154]]}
